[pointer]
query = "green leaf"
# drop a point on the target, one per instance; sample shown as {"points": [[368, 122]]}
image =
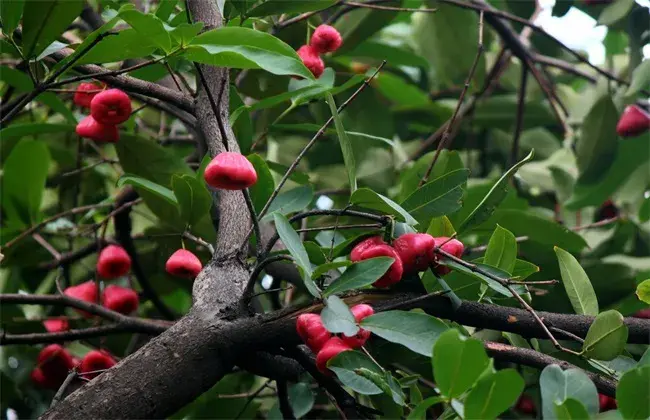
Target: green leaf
{"points": [[632, 393], [184, 33], [420, 411], [194, 199], [290, 202], [127, 44], [150, 27], [17, 131], [441, 226], [640, 78], [448, 161], [344, 365], [437, 198], [458, 362], [346, 146], [45, 21], [278, 7], [150, 186], [242, 127], [244, 48], [367, 198], [494, 394], [23, 181], [359, 275], [644, 211], [493, 198], [296, 176], [338, 318], [165, 8], [596, 149], [324, 268], [359, 25], [396, 56], [501, 251], [557, 386], [301, 399], [615, 12], [643, 291], [493, 284], [571, 409], [10, 14], [607, 336], [524, 269], [261, 191], [577, 285], [414, 330]]}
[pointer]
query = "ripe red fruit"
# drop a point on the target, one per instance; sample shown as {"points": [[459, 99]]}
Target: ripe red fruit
{"points": [[230, 171], [643, 313], [326, 39], [93, 361], [332, 347], [606, 403], [364, 245], [311, 60], [360, 312], [113, 262], [633, 121], [56, 324], [120, 299], [454, 247], [395, 271], [311, 330], [85, 93], [93, 130], [183, 263], [526, 405], [111, 107], [86, 291], [54, 362], [415, 250], [43, 381]]}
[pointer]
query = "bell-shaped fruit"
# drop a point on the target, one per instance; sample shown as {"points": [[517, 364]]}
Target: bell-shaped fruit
{"points": [[415, 250], [43, 381], [360, 312], [332, 347], [326, 39], [312, 331], [395, 271], [633, 121], [93, 130], [363, 245], [94, 361], [111, 107], [606, 403], [183, 263], [85, 93], [311, 60], [56, 324], [55, 362], [113, 262], [526, 405], [230, 171], [120, 299], [86, 291], [453, 247]]}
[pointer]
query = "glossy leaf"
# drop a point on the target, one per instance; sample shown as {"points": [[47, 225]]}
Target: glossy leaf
{"points": [[441, 226], [493, 198], [127, 44], [359, 275], [493, 394], [458, 362], [359, 25], [261, 191], [414, 330], [369, 199], [502, 250], [557, 386], [420, 411], [437, 198], [194, 199], [338, 318], [10, 13], [290, 202], [150, 27], [346, 146], [607, 336], [632, 393], [577, 285], [643, 291], [157, 189], [344, 365], [493, 284], [301, 399], [596, 149], [45, 21], [571, 409]]}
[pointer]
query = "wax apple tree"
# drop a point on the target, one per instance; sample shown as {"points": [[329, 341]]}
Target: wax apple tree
{"points": [[322, 209]]}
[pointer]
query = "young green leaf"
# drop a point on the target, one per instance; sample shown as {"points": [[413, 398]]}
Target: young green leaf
{"points": [[607, 336], [359, 275], [493, 394], [414, 330], [150, 186], [577, 285], [643, 291], [344, 365], [570, 409], [290, 202], [441, 226], [501, 251], [632, 393], [558, 386], [149, 27], [346, 146], [338, 318], [367, 198]]}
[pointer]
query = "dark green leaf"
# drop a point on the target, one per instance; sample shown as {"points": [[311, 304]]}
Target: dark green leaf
{"points": [[346, 146], [494, 394], [359, 275], [367, 198], [301, 399], [10, 13], [393, 55], [414, 330], [437, 198], [296, 176], [557, 386], [493, 198], [149, 27], [441, 226], [632, 393], [165, 8], [615, 12], [420, 411], [640, 78], [577, 285], [16, 131], [242, 126], [458, 362], [324, 268], [150, 186], [571, 409], [502, 250], [45, 21], [194, 199], [448, 161], [338, 318], [596, 149], [493, 284], [606, 337], [291, 201], [127, 44], [344, 365], [263, 188], [185, 33], [278, 7], [292, 242], [359, 25]]}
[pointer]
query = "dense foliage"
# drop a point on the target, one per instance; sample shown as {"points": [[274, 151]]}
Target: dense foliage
{"points": [[193, 190]]}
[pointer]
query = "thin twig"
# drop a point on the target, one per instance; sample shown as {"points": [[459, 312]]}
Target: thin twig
{"points": [[246, 295], [341, 227], [251, 398], [59, 394], [519, 120], [256, 225]]}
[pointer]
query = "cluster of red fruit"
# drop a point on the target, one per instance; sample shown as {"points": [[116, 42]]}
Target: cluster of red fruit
{"points": [[108, 108], [54, 363], [633, 122], [314, 334], [325, 39], [526, 405], [412, 252]]}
